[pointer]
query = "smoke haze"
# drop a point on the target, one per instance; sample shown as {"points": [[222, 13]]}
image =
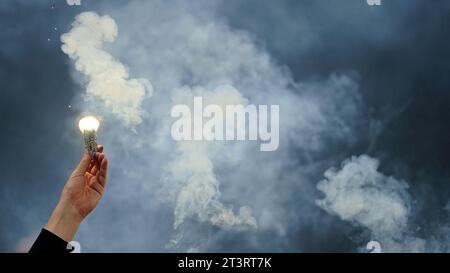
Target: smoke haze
{"points": [[363, 95]]}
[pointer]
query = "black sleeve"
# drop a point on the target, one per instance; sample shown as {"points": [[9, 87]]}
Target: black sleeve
{"points": [[48, 242]]}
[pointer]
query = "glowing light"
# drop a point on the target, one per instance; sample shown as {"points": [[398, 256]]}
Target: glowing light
{"points": [[88, 123], [89, 126]]}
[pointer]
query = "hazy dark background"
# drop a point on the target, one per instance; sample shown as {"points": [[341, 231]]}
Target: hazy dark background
{"points": [[399, 50]]}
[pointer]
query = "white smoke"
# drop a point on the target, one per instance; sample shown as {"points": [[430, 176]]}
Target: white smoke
{"points": [[186, 52], [186, 49], [360, 194], [108, 79], [194, 171]]}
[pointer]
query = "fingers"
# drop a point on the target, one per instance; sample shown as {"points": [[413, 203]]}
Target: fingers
{"points": [[94, 184], [88, 176], [94, 169], [84, 163], [102, 174], [98, 180], [94, 165]]}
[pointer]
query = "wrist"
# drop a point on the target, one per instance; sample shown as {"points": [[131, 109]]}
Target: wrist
{"points": [[64, 221]]}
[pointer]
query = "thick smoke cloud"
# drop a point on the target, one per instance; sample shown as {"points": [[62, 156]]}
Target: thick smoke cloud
{"points": [[107, 78], [360, 194]]}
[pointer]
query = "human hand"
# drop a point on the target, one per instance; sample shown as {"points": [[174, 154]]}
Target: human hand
{"points": [[80, 195]]}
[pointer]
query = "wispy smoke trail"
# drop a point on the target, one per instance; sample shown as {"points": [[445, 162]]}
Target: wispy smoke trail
{"points": [[360, 194], [108, 79], [194, 169]]}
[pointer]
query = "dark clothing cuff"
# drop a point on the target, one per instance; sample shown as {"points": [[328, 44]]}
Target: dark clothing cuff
{"points": [[48, 242]]}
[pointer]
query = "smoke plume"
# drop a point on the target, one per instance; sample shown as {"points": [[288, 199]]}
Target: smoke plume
{"points": [[108, 79], [194, 170], [360, 194]]}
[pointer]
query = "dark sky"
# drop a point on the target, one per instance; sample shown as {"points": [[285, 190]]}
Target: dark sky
{"points": [[399, 52]]}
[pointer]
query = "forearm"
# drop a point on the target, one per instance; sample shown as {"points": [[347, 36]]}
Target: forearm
{"points": [[79, 197], [64, 221]]}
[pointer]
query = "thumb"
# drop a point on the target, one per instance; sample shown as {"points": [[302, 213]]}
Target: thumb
{"points": [[84, 163]]}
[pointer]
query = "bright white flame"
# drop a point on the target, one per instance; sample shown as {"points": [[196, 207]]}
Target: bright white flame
{"points": [[88, 123]]}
